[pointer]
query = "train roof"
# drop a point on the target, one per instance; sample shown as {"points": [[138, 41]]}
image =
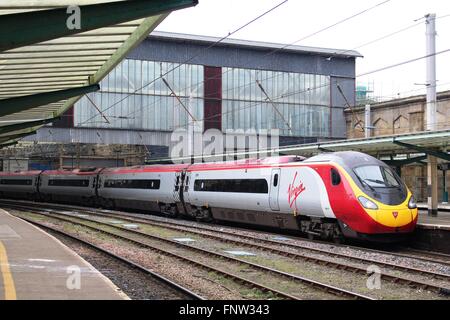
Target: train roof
{"points": [[148, 168], [204, 166], [19, 173], [75, 172], [246, 163], [350, 159]]}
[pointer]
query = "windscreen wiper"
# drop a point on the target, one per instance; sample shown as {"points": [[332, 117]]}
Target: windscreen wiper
{"points": [[377, 181], [365, 183]]}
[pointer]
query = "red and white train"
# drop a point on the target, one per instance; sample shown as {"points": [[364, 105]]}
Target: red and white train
{"points": [[331, 196]]}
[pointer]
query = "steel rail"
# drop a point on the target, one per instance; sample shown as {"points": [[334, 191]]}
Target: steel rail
{"points": [[312, 283], [186, 228], [187, 292], [248, 283], [295, 246], [341, 266]]}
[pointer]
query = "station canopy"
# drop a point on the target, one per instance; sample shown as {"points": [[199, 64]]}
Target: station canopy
{"points": [[54, 51], [433, 143]]}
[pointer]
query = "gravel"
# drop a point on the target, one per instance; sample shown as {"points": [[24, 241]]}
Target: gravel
{"points": [[134, 283], [186, 274]]}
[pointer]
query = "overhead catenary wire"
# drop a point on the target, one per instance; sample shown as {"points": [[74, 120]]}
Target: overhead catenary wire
{"points": [[270, 53], [285, 95], [397, 64], [194, 56], [201, 51], [371, 72], [402, 63], [295, 42]]}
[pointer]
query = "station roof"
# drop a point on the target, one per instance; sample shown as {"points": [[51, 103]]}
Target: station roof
{"points": [[384, 145], [429, 143], [45, 66], [256, 44]]}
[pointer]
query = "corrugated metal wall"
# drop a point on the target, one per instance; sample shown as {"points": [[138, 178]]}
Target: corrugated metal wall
{"points": [[101, 136]]}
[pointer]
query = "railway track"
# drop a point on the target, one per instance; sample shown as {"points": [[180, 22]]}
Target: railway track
{"points": [[183, 291], [261, 244], [425, 256], [273, 247], [251, 284], [436, 257]]}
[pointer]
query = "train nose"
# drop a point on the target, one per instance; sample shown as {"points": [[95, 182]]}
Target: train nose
{"points": [[396, 217]]}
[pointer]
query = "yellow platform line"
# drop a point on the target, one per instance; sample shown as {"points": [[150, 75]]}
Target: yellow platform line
{"points": [[8, 281]]}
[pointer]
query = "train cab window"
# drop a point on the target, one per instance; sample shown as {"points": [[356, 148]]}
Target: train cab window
{"points": [[275, 180], [335, 177]]}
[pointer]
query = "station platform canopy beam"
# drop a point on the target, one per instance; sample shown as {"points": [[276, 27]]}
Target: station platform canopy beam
{"points": [[404, 162], [26, 125], [378, 146], [26, 28], [17, 104], [40, 55], [7, 138], [434, 153], [9, 143]]}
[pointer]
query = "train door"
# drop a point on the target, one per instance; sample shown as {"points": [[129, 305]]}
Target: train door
{"points": [[274, 188], [177, 186], [186, 187]]}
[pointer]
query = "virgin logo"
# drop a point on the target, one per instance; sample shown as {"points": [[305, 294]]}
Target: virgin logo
{"points": [[295, 191]]}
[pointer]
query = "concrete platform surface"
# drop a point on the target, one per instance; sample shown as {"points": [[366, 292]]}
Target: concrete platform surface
{"points": [[36, 266], [441, 206], [442, 221]]}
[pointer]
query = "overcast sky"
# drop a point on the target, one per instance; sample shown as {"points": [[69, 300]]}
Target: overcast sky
{"points": [[297, 19]]}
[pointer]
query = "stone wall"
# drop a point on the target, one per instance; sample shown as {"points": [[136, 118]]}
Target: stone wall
{"points": [[403, 116], [398, 116], [76, 155]]}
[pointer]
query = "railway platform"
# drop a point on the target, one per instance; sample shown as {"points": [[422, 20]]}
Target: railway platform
{"points": [[433, 233], [442, 221], [36, 266], [442, 207]]}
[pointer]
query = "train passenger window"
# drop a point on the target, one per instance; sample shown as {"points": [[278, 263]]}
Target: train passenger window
{"points": [[133, 184], [17, 182], [275, 180], [68, 183], [335, 177], [232, 185]]}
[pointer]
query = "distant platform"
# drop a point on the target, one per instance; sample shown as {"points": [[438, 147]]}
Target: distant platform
{"points": [[442, 221], [441, 206], [36, 266], [433, 233]]}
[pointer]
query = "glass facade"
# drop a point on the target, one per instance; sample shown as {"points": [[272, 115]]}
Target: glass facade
{"points": [[151, 105], [302, 99]]}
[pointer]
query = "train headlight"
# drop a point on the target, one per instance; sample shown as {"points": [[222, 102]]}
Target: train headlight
{"points": [[412, 203], [366, 203]]}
